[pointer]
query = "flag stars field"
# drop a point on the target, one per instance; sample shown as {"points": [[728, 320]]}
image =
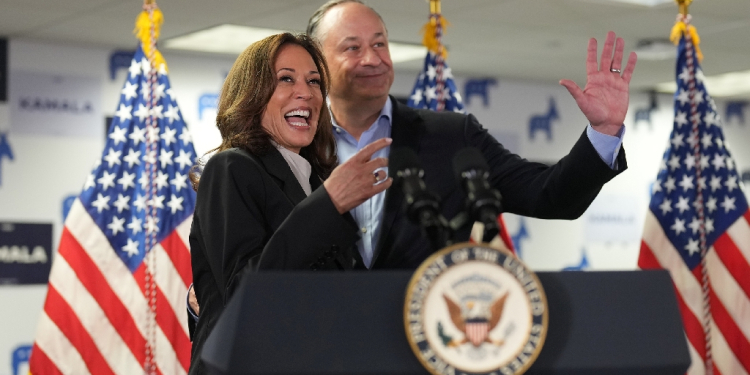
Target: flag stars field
{"points": [[123, 180], [168, 136], [112, 158], [124, 113], [118, 135], [142, 113], [425, 94], [129, 91], [126, 181], [138, 135], [122, 203], [131, 248], [184, 159], [117, 225]]}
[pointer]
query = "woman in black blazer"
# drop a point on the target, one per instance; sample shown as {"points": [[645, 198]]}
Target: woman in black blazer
{"points": [[270, 198]]}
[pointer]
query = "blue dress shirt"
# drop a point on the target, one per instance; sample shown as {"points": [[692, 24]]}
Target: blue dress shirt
{"points": [[369, 214]]}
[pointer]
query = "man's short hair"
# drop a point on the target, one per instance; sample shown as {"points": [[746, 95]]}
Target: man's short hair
{"points": [[314, 22]]}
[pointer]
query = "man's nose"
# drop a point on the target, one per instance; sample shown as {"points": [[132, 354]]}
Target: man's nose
{"points": [[371, 57]]}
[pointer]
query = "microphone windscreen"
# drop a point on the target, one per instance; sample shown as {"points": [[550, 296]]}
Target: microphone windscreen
{"points": [[467, 159], [402, 158]]}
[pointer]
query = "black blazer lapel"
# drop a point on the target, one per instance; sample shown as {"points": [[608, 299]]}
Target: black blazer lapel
{"points": [[407, 126], [277, 167]]}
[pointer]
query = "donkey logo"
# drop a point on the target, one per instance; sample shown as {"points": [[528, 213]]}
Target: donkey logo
{"points": [[544, 122]]}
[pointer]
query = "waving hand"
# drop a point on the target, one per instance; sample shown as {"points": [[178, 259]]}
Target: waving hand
{"points": [[604, 100]]}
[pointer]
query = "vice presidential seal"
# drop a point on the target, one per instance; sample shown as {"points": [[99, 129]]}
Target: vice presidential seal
{"points": [[473, 309]]}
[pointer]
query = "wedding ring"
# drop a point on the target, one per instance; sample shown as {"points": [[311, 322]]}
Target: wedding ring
{"points": [[615, 70]]}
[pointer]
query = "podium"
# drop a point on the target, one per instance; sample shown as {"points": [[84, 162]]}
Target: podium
{"points": [[351, 323]]}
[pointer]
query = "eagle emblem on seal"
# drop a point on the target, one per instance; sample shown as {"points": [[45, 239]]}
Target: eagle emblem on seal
{"points": [[475, 319]]}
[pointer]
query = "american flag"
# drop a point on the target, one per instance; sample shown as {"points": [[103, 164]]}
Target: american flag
{"points": [[436, 91], [116, 297], [697, 228]]}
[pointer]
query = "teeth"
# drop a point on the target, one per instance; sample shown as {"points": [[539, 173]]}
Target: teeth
{"points": [[298, 112]]}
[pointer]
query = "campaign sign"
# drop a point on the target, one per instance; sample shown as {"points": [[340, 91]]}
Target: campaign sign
{"points": [[46, 104], [3, 70], [25, 253], [614, 218]]}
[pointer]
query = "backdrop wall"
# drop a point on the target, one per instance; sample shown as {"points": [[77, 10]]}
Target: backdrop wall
{"points": [[50, 160]]}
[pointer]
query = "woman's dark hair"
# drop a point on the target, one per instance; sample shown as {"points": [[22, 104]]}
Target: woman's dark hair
{"points": [[248, 89]]}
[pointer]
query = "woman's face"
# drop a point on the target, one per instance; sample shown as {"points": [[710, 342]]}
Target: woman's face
{"points": [[291, 116]]}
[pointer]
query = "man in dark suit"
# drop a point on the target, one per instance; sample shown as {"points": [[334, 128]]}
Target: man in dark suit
{"points": [[354, 40]]}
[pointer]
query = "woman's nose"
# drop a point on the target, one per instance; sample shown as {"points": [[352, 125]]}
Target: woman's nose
{"points": [[303, 91]]}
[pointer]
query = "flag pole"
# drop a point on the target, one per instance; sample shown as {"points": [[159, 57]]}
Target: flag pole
{"points": [[433, 41], [148, 26], [683, 28]]}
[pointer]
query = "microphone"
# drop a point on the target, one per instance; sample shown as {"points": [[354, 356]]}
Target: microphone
{"points": [[422, 206], [482, 201]]}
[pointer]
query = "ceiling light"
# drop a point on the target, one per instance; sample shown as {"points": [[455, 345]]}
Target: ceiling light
{"points": [[233, 39], [655, 49], [722, 85], [401, 52], [226, 39], [649, 3]]}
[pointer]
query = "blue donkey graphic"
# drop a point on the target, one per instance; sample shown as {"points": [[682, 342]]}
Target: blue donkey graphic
{"points": [[522, 234], [583, 265], [544, 122], [5, 152]]}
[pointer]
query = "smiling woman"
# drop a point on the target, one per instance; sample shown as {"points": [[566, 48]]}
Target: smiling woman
{"points": [[262, 201], [266, 78], [291, 115]]}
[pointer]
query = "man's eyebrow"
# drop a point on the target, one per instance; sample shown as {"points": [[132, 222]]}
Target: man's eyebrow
{"points": [[377, 35]]}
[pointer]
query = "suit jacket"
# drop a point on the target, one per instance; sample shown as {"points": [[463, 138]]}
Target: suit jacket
{"points": [[561, 191], [251, 214]]}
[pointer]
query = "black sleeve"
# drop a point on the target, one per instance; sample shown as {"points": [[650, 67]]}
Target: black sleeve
{"points": [[313, 230], [561, 191], [229, 209], [232, 209]]}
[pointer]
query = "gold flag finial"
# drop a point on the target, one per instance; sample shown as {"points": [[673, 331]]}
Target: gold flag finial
{"points": [[683, 27], [433, 30], [684, 4], [147, 30], [435, 6]]}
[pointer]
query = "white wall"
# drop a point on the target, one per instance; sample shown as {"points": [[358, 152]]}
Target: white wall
{"points": [[46, 168]]}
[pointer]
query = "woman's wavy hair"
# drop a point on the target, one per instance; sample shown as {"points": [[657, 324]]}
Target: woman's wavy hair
{"points": [[246, 92]]}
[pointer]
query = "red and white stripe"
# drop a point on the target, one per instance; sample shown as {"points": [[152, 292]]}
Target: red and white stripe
{"points": [[95, 315], [477, 332], [728, 266]]}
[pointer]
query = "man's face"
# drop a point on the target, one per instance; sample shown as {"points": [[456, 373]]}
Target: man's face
{"points": [[355, 45]]}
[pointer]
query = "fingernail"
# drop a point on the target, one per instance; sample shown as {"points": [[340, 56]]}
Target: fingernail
{"points": [[389, 140]]}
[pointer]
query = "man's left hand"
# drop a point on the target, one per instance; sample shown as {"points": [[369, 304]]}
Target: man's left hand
{"points": [[604, 101]]}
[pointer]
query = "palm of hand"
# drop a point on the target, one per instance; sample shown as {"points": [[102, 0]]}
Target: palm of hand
{"points": [[604, 100]]}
